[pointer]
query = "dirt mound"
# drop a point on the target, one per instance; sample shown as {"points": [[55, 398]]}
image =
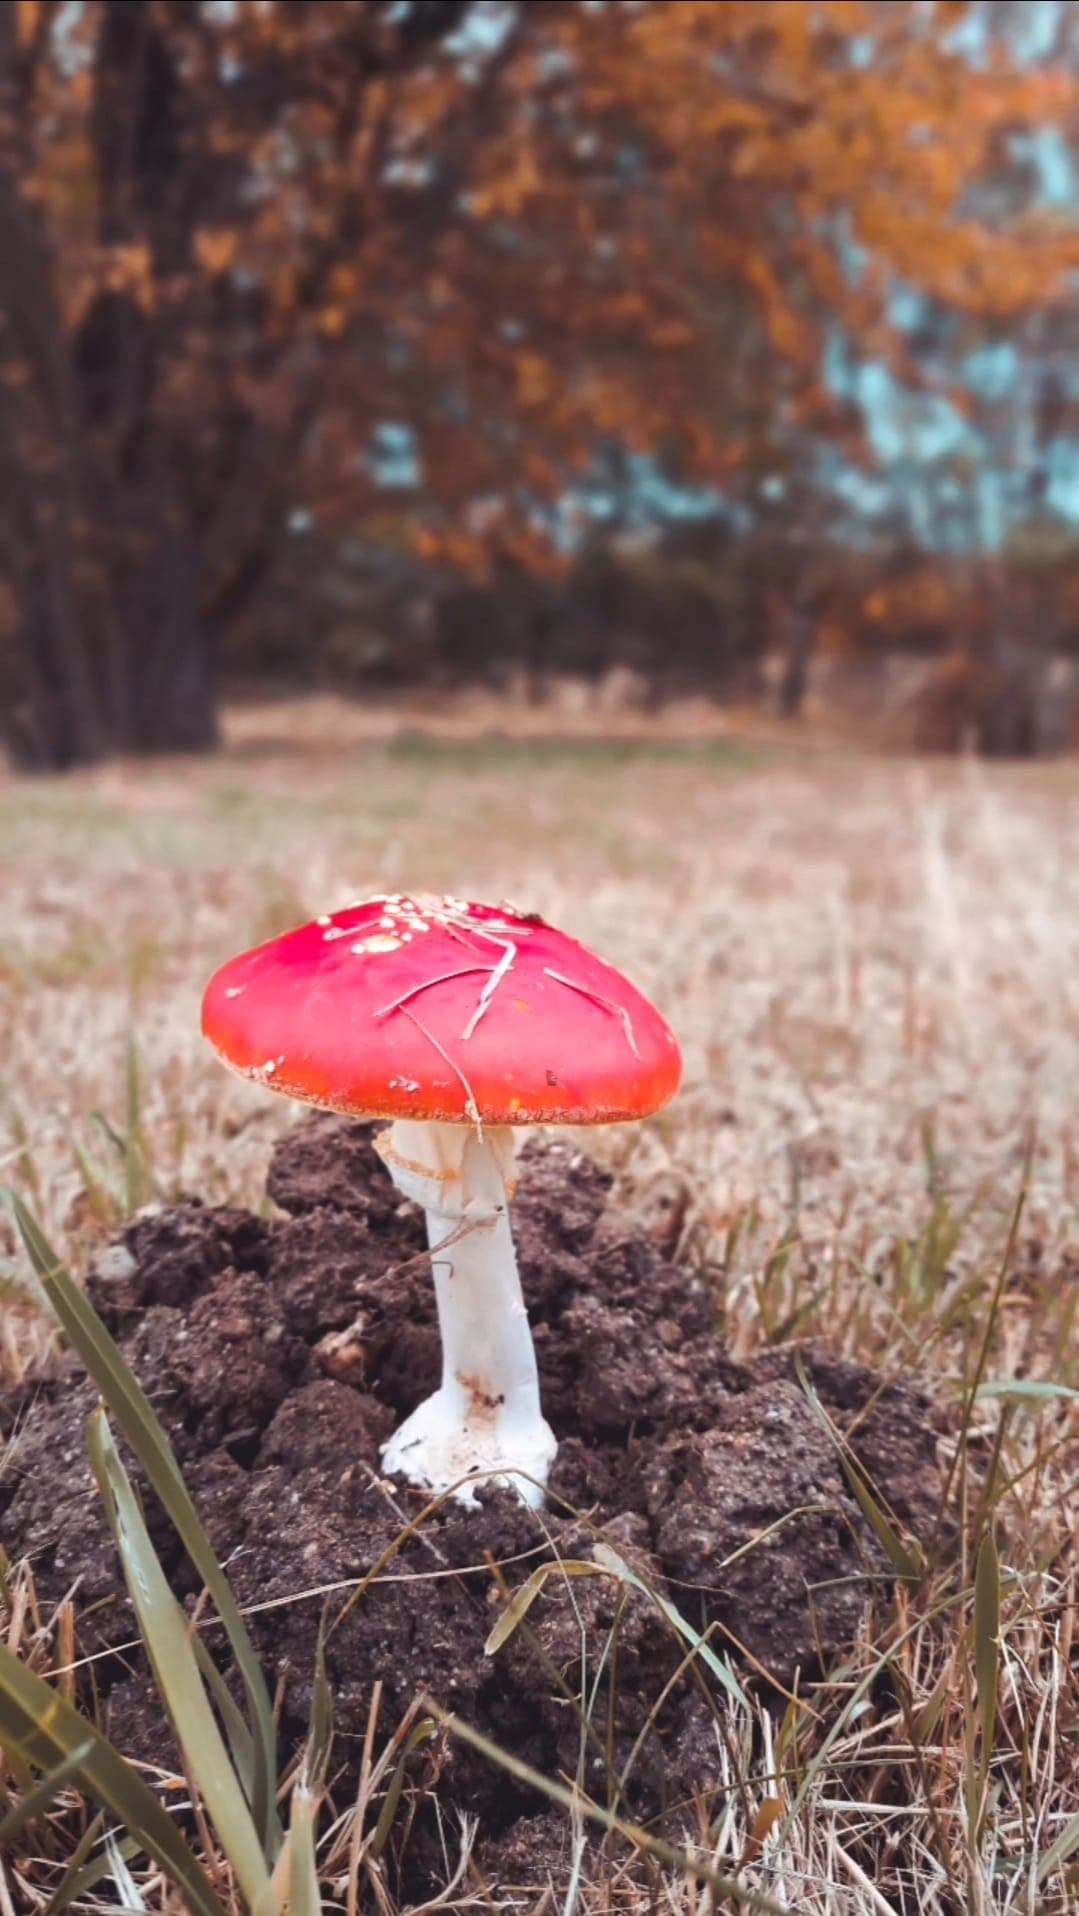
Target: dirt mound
{"points": [[279, 1356]]}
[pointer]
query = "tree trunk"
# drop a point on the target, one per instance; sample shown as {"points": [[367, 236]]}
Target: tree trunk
{"points": [[168, 690], [799, 651], [46, 724], [153, 680]]}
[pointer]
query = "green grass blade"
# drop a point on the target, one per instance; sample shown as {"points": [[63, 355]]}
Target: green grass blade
{"points": [[297, 1888], [139, 1183], [1026, 1390], [986, 1652], [133, 1412], [958, 1461], [420, 1733], [37, 1800], [526, 1593], [82, 1877], [316, 1759], [104, 1199], [909, 1564], [166, 1633], [237, 1734], [44, 1730], [78, 1871], [610, 1560], [607, 1562], [25, 1162], [903, 1561], [925, 1725], [304, 1896], [109, 1132], [1060, 1849], [579, 1805]]}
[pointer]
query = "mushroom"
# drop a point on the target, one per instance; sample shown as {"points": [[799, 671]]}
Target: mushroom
{"points": [[458, 1022]]}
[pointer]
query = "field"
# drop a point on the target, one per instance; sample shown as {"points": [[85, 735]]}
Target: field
{"points": [[870, 964]]}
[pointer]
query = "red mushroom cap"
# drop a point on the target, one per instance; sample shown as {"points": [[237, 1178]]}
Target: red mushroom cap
{"points": [[431, 1008]]}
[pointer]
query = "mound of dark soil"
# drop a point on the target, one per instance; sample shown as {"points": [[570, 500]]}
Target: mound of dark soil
{"points": [[279, 1355]]}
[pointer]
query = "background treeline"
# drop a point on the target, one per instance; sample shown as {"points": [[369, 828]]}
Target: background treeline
{"points": [[940, 654]]}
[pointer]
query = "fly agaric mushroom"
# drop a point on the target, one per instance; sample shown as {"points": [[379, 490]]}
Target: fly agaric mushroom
{"points": [[458, 1022]]}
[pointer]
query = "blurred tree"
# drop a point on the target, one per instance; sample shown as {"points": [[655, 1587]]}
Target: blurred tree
{"points": [[185, 201], [236, 236]]}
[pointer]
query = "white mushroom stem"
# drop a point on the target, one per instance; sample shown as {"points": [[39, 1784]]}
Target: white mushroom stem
{"points": [[485, 1416]]}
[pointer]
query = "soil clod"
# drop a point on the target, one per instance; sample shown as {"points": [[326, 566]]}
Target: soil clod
{"points": [[281, 1354]]}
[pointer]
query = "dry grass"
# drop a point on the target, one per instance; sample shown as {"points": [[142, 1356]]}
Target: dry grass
{"points": [[872, 966]]}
